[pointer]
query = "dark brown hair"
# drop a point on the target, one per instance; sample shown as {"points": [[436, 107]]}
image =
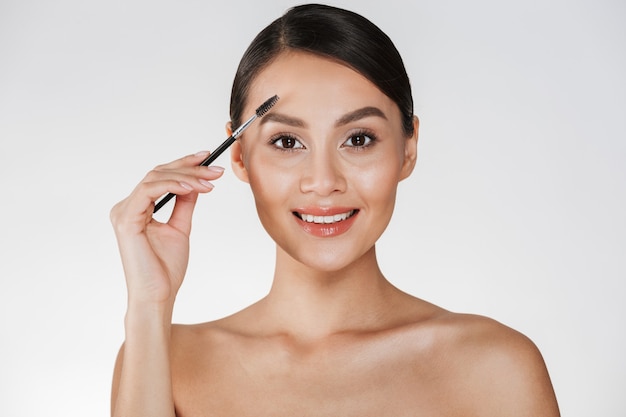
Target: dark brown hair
{"points": [[334, 33]]}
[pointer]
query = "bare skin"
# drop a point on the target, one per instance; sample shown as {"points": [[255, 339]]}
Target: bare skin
{"points": [[333, 336]]}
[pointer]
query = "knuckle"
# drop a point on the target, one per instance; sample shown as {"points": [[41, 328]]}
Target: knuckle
{"points": [[152, 174], [115, 212]]}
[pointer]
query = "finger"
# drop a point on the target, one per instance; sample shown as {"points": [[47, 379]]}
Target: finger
{"points": [[183, 212], [194, 176], [134, 212], [131, 215], [185, 161]]}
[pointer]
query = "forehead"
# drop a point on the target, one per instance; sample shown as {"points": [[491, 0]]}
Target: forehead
{"points": [[313, 85]]}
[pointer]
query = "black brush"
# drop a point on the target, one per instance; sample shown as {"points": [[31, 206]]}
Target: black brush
{"points": [[260, 111]]}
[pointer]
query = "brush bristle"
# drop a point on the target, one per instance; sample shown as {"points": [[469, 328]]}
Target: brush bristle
{"points": [[265, 107]]}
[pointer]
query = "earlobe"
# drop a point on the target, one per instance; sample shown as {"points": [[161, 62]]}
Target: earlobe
{"points": [[410, 151], [236, 157]]}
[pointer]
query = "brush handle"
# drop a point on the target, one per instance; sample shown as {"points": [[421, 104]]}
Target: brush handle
{"points": [[260, 111], [209, 159], [217, 152]]}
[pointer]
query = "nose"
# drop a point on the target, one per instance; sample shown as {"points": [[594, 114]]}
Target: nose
{"points": [[323, 175]]}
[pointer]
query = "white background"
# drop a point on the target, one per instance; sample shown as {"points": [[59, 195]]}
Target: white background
{"points": [[515, 211]]}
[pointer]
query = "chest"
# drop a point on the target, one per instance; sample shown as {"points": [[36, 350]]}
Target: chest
{"points": [[360, 380]]}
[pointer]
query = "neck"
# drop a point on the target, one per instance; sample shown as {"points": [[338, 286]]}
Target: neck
{"points": [[310, 304]]}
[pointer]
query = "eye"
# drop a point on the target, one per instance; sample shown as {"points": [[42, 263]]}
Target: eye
{"points": [[286, 142], [360, 140]]}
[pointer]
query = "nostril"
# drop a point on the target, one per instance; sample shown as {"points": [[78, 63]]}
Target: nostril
{"points": [[323, 178]]}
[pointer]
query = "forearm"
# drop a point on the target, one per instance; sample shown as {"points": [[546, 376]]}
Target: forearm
{"points": [[143, 384], [154, 257]]}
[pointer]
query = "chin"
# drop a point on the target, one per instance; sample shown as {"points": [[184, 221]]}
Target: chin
{"points": [[330, 259]]}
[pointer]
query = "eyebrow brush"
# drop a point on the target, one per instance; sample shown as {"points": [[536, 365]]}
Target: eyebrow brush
{"points": [[259, 112]]}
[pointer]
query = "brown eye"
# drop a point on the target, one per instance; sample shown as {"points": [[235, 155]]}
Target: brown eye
{"points": [[360, 140], [287, 142]]}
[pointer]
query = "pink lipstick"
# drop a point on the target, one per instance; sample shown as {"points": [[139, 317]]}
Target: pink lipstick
{"points": [[325, 221]]}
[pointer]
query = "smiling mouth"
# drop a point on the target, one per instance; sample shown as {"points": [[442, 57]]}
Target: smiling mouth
{"points": [[309, 218]]}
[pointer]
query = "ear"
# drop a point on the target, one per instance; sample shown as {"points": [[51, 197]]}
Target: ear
{"points": [[410, 151], [236, 156]]}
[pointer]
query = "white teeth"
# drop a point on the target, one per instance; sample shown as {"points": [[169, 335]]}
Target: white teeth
{"points": [[309, 218]]}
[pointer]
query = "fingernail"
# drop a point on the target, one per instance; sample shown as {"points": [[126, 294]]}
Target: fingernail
{"points": [[216, 169], [206, 183], [185, 185], [202, 153]]}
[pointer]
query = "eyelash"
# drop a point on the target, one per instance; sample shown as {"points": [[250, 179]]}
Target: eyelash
{"points": [[363, 133]]}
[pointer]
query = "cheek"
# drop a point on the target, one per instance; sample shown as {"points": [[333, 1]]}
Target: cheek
{"points": [[377, 188], [271, 187], [379, 178]]}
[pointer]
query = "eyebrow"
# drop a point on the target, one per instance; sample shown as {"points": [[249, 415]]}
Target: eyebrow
{"points": [[359, 114], [283, 119], [350, 117]]}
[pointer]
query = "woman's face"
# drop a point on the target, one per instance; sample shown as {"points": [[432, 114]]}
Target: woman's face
{"points": [[325, 162]]}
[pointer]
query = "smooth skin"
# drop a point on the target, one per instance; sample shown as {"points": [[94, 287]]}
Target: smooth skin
{"points": [[333, 337]]}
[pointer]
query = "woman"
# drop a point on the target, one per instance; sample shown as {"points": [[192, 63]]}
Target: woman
{"points": [[333, 336]]}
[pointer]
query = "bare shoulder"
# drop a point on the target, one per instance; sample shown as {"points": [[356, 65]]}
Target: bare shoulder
{"points": [[189, 342], [498, 370], [197, 346], [199, 355]]}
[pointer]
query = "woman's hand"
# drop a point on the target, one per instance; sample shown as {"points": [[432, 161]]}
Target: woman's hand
{"points": [[155, 257], [155, 254]]}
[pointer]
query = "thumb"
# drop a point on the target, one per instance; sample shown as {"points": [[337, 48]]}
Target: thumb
{"points": [[183, 212]]}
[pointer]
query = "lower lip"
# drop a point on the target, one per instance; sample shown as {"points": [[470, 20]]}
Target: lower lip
{"points": [[327, 229]]}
